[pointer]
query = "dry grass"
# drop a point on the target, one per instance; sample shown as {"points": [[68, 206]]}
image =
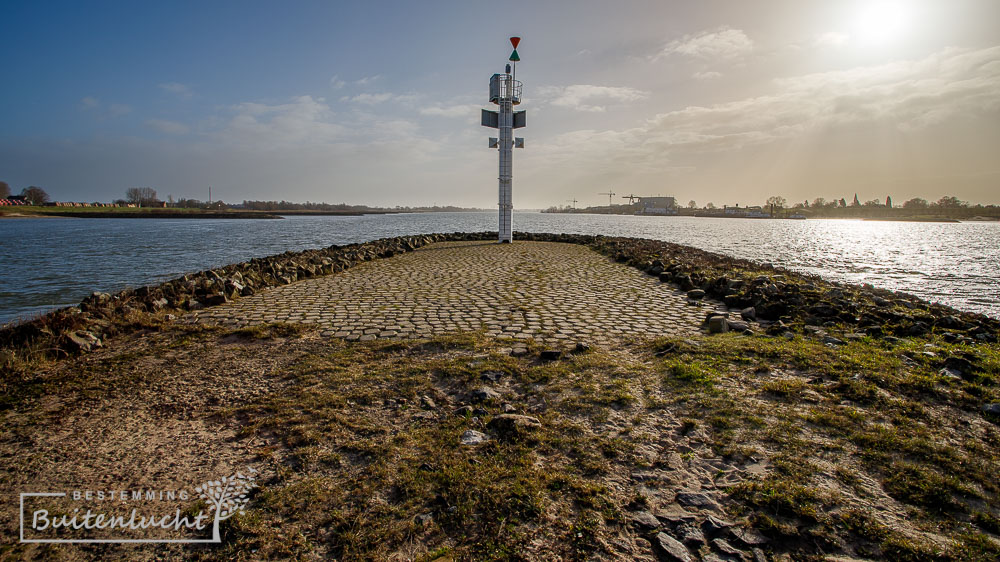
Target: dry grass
{"points": [[862, 450]]}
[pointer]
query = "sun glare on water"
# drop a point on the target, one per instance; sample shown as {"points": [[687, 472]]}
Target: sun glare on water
{"points": [[880, 22]]}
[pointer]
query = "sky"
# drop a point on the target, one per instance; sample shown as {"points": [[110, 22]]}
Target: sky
{"points": [[378, 102]]}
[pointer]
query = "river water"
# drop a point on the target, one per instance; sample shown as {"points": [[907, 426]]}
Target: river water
{"points": [[51, 262]]}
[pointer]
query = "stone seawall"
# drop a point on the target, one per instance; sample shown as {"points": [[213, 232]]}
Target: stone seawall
{"points": [[781, 300]]}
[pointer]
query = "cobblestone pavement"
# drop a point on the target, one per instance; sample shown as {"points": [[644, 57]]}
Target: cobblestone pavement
{"points": [[559, 294]]}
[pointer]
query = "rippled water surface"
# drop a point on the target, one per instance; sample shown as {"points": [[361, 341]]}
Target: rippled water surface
{"points": [[47, 263]]}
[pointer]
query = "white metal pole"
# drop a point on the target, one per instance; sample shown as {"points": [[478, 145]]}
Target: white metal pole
{"points": [[506, 123]]}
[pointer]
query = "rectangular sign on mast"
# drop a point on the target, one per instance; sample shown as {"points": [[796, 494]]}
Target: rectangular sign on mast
{"points": [[519, 117], [491, 119]]}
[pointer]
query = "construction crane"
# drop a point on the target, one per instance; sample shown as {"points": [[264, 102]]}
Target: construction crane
{"points": [[631, 198], [610, 194], [573, 201]]}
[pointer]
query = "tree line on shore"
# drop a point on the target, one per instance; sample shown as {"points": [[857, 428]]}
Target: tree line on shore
{"points": [[148, 197], [947, 206], [32, 194]]}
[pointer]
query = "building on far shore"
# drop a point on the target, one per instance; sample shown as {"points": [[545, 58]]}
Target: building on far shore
{"points": [[656, 206], [753, 212]]}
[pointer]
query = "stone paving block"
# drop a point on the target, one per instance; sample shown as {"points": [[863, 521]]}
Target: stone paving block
{"points": [[561, 293]]}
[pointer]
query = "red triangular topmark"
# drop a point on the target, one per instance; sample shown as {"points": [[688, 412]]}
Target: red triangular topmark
{"points": [[514, 41]]}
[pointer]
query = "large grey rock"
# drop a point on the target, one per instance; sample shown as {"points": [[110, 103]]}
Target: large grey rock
{"points": [[100, 297], [514, 424], [738, 325], [696, 499], [749, 314], [960, 364], [473, 437], [82, 341], [712, 313], [718, 325], [713, 525], [992, 409], [684, 281], [696, 294], [645, 520], [950, 374], [485, 394], [671, 549], [491, 376], [723, 546], [692, 536], [952, 323], [215, 300], [748, 536]]}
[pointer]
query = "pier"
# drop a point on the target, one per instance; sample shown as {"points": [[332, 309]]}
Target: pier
{"points": [[557, 294]]}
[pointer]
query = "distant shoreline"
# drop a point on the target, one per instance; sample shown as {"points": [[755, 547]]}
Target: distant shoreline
{"points": [[721, 216], [133, 213], [144, 215], [911, 219]]}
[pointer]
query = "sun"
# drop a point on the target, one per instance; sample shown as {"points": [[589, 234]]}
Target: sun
{"points": [[880, 22]]}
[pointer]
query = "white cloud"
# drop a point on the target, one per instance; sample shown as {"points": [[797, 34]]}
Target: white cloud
{"points": [[461, 110], [585, 97], [831, 39], [721, 44], [167, 126], [369, 99], [956, 85], [118, 109], [303, 120], [380, 97], [94, 105], [336, 83], [367, 80], [706, 75], [907, 95], [177, 89]]}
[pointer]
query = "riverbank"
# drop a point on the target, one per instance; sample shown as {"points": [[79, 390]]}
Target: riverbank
{"points": [[172, 212], [914, 219], [131, 213], [957, 214], [829, 419]]}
